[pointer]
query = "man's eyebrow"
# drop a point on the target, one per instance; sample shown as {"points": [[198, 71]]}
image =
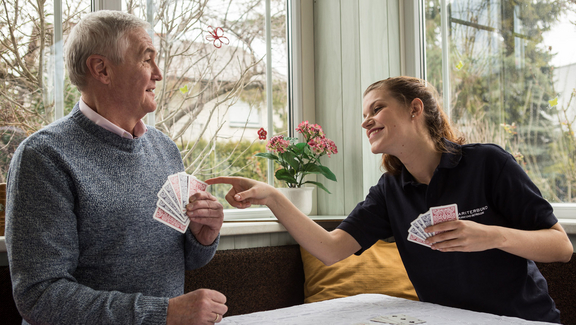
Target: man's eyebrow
{"points": [[149, 50]]}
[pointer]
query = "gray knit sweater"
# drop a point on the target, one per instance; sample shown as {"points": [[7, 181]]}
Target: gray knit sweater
{"points": [[82, 244]]}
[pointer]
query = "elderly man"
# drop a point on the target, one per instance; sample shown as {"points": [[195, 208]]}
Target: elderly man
{"points": [[82, 243]]}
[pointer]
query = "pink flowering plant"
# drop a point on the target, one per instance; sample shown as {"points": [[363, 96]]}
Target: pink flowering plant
{"points": [[298, 159]]}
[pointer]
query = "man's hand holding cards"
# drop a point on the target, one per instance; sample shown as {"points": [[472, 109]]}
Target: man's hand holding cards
{"points": [[434, 216], [173, 198]]}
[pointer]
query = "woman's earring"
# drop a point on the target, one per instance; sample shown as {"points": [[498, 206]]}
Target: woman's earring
{"points": [[412, 116]]}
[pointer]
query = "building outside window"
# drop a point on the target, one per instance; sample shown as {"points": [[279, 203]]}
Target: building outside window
{"points": [[213, 56]]}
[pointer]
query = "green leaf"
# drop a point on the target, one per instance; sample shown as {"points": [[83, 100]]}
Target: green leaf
{"points": [[290, 158], [312, 168], [301, 147], [284, 175], [328, 173], [266, 155], [319, 185], [323, 170]]}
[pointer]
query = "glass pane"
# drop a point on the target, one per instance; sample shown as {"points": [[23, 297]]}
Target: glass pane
{"points": [[212, 101], [27, 69], [511, 78]]}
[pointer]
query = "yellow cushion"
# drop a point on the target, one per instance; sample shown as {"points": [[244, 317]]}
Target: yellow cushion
{"points": [[378, 270]]}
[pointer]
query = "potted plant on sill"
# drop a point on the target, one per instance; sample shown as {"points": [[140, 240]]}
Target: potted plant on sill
{"points": [[298, 159]]}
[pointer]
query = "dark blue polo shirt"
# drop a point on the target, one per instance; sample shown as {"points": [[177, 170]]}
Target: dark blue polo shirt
{"points": [[490, 188]]}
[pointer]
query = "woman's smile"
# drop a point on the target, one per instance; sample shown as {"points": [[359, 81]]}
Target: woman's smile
{"points": [[373, 131]]}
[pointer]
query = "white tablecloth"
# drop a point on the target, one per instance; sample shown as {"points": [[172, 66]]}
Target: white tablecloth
{"points": [[361, 308]]}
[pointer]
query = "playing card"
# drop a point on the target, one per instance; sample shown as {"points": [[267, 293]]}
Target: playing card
{"points": [[169, 209], [415, 239], [175, 184], [173, 198], [183, 181], [444, 213], [169, 196], [170, 221], [398, 319], [425, 221], [416, 232], [194, 186], [421, 223]]}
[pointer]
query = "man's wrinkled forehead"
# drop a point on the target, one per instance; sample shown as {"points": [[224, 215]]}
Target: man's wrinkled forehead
{"points": [[142, 42]]}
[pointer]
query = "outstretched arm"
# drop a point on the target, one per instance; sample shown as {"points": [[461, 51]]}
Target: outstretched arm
{"points": [[329, 247], [544, 245]]}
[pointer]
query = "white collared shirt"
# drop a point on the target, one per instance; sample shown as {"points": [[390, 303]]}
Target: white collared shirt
{"points": [[139, 129]]}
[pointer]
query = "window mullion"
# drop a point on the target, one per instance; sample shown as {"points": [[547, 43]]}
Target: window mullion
{"points": [[445, 25], [269, 108], [58, 62]]}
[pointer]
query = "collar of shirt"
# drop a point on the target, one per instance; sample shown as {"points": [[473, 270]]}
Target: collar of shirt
{"points": [[449, 159], [139, 129]]}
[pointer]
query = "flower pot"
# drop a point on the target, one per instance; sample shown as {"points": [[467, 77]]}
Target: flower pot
{"points": [[301, 197]]}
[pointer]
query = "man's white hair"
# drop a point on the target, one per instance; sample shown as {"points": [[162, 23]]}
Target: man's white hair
{"points": [[104, 32]]}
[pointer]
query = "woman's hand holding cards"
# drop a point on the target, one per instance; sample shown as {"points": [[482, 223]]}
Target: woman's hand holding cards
{"points": [[463, 236], [441, 229]]}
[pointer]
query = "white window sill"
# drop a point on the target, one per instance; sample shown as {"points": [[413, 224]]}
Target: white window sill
{"points": [[569, 225], [241, 227], [250, 226], [271, 225]]}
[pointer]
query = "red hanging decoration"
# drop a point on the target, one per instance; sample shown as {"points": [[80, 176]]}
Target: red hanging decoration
{"points": [[217, 40], [262, 134]]}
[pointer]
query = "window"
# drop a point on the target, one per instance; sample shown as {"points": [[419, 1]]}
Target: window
{"points": [[244, 116], [34, 89], [222, 82], [504, 71], [225, 76]]}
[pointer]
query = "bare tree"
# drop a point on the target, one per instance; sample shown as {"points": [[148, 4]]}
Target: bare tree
{"points": [[209, 52]]}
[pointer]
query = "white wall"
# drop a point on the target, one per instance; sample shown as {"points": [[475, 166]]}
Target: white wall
{"points": [[356, 42]]}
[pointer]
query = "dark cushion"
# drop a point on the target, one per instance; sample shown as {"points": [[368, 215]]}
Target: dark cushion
{"points": [[257, 279], [253, 279], [8, 313], [561, 278]]}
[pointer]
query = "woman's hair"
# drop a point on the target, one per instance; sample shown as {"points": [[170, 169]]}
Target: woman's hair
{"points": [[104, 32], [405, 90]]}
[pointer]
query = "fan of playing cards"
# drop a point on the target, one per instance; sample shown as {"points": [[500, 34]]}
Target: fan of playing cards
{"points": [[173, 198], [435, 215]]}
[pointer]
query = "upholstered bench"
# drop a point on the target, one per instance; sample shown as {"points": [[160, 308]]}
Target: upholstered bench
{"points": [[257, 279]]}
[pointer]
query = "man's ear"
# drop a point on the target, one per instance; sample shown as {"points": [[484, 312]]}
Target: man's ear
{"points": [[99, 68], [416, 107]]}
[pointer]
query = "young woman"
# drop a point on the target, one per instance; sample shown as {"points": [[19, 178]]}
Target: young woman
{"points": [[484, 261]]}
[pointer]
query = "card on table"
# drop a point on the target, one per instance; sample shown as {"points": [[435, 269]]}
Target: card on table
{"points": [[397, 319], [173, 198]]}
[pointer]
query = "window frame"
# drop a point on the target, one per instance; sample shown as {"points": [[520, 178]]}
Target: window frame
{"points": [[412, 32], [294, 76]]}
